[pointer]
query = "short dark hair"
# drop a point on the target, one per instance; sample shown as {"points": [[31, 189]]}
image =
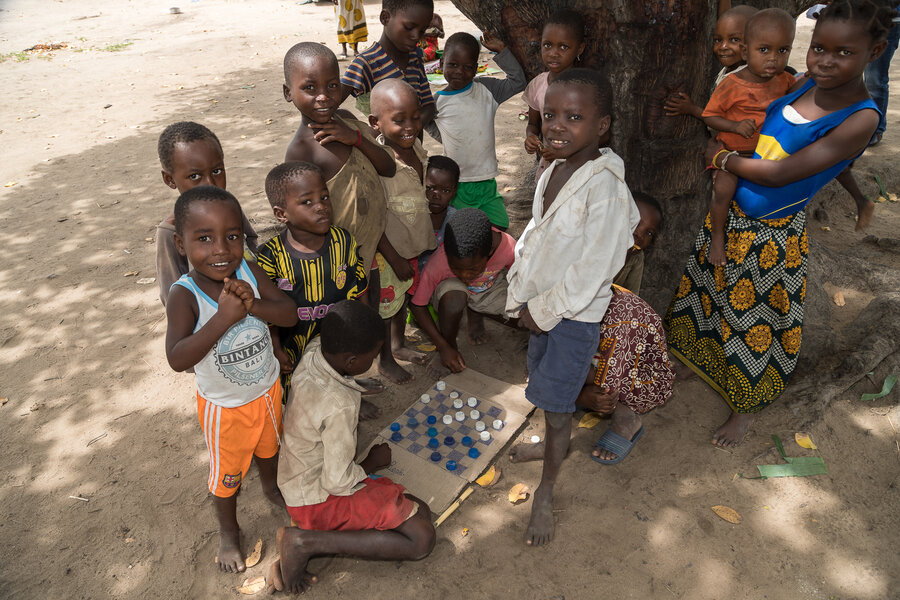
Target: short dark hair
{"points": [[468, 233], [572, 20], [351, 326], [741, 10], [769, 16], [303, 50], [642, 198], [392, 6], [444, 163], [201, 193], [182, 132], [466, 40], [593, 79], [278, 178], [875, 15]]}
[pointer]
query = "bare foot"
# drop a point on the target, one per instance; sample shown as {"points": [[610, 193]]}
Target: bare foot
{"points": [[410, 355], [274, 496], [865, 215], [372, 385], [436, 368], [475, 329], [682, 371], [368, 411], [526, 452], [295, 579], [731, 433], [540, 528], [230, 558], [626, 423], [394, 372]]}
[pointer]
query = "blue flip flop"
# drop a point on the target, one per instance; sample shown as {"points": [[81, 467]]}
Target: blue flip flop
{"points": [[613, 442]]}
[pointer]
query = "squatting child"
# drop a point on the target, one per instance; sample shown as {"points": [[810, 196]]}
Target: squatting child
{"points": [[631, 275], [217, 315]]}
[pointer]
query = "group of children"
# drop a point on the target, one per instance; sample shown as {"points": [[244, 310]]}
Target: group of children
{"points": [[373, 226]]}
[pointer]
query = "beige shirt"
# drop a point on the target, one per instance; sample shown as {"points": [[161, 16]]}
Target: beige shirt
{"points": [[318, 452], [408, 222]]}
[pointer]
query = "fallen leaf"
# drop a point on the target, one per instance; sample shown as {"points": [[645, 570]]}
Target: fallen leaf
{"points": [[252, 586], [489, 478], [255, 555], [146, 280], [804, 441], [268, 121], [839, 299], [881, 199], [427, 347], [128, 540], [148, 239], [10, 183], [131, 273], [5, 400], [509, 188], [892, 197], [826, 228], [465, 531], [589, 420], [726, 513], [518, 493]]}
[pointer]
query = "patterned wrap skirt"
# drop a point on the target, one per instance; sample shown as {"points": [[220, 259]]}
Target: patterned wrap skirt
{"points": [[351, 22], [739, 326]]}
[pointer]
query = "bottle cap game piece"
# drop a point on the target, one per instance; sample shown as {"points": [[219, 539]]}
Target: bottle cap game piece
{"points": [[395, 426], [535, 439], [454, 394], [435, 456], [460, 416], [441, 386], [458, 403], [498, 424], [474, 453], [447, 419], [432, 432], [451, 465], [396, 436], [472, 401], [412, 423], [425, 398], [433, 443], [431, 419], [479, 426], [466, 441], [449, 441], [485, 435], [475, 414]]}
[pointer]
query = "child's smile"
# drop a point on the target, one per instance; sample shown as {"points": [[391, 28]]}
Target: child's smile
{"points": [[459, 67], [570, 121], [314, 88], [727, 40], [213, 240]]}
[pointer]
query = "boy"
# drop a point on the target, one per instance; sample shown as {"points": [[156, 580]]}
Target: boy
{"points": [[630, 276], [465, 120], [337, 508], [190, 155], [217, 316], [466, 274], [350, 159], [395, 55], [397, 121], [441, 182], [312, 261], [559, 285]]}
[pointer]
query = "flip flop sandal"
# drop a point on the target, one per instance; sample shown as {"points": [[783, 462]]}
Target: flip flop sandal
{"points": [[613, 442]]}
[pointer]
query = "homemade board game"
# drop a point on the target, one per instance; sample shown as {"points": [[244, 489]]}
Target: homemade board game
{"points": [[439, 445]]}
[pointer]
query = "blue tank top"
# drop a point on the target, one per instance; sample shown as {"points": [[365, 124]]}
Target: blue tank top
{"points": [[778, 139]]}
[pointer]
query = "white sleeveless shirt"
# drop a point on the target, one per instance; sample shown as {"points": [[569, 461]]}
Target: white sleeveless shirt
{"points": [[241, 366]]}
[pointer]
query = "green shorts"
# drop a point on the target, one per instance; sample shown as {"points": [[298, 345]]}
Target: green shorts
{"points": [[482, 195]]}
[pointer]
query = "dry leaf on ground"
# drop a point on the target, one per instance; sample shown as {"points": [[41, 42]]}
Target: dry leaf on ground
{"points": [[727, 513], [839, 299], [489, 478], [254, 557], [518, 493], [252, 586], [589, 420], [804, 441]]}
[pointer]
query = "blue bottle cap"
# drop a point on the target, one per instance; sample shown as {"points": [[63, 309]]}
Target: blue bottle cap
{"points": [[412, 423], [451, 465], [433, 443], [395, 426], [466, 441], [396, 436], [473, 452], [432, 432], [431, 419], [435, 456], [449, 441]]}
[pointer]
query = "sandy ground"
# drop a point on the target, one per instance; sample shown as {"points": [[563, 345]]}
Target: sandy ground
{"points": [[103, 468]]}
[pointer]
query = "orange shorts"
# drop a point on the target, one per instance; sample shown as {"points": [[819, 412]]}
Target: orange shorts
{"points": [[235, 435]]}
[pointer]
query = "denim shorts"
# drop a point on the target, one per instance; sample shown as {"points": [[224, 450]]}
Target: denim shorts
{"points": [[558, 364]]}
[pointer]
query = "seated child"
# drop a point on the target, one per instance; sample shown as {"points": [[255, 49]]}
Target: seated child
{"points": [[349, 157], [466, 274], [312, 261], [395, 55], [465, 120], [336, 506], [217, 315], [738, 105], [190, 155], [429, 43], [407, 232], [441, 181], [566, 259], [630, 276]]}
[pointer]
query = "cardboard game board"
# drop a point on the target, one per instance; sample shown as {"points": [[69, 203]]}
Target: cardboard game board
{"points": [[412, 459]]}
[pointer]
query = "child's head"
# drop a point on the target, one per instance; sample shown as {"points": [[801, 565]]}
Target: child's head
{"points": [[577, 112], [460, 60], [467, 242], [299, 197], [729, 34], [352, 334], [441, 181], [209, 231], [312, 81], [562, 40], [405, 22], [651, 220], [190, 155], [395, 112], [848, 35], [767, 42]]}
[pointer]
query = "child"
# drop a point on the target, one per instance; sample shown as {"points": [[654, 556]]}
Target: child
{"points": [[350, 159], [441, 182], [190, 155], [337, 508], [351, 25], [312, 261], [465, 120], [562, 42], [738, 105], [407, 232], [395, 55], [217, 316], [429, 41], [575, 243], [630, 276], [464, 275], [749, 314]]}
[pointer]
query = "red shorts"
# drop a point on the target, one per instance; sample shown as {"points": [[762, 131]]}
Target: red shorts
{"points": [[380, 504]]}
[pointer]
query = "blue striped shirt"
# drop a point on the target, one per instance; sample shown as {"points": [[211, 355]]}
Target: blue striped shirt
{"points": [[373, 64]]}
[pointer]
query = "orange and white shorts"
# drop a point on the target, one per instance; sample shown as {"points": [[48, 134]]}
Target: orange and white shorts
{"points": [[235, 435]]}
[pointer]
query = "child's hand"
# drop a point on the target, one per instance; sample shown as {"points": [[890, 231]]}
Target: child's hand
{"points": [[242, 290], [287, 366], [746, 128], [403, 269], [231, 307], [379, 457], [598, 398], [533, 144], [526, 321], [452, 359], [334, 131], [717, 251], [679, 103], [492, 42]]}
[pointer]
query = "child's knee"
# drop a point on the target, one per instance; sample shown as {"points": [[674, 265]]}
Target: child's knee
{"points": [[423, 536], [453, 302]]}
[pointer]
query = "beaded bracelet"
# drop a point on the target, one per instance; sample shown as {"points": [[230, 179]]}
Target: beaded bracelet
{"points": [[358, 139]]}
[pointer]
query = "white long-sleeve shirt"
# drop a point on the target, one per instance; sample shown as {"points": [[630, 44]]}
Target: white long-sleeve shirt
{"points": [[567, 257]]}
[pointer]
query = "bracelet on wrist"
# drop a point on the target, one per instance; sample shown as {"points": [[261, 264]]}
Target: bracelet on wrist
{"points": [[725, 160], [358, 139]]}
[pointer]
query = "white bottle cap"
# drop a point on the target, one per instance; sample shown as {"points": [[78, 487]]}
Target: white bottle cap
{"points": [[447, 419], [472, 401], [479, 426], [498, 424], [485, 436], [440, 386], [475, 414], [454, 394], [458, 403], [425, 398], [460, 415], [535, 439]]}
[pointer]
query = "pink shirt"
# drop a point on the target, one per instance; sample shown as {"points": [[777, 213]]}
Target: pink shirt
{"points": [[535, 91], [438, 270]]}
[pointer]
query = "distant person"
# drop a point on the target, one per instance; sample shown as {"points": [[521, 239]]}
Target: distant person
{"points": [[351, 25]]}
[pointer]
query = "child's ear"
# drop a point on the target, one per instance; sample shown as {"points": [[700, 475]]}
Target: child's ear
{"points": [[878, 49], [179, 245], [373, 123], [580, 51], [280, 214], [603, 125], [384, 17], [287, 92], [168, 179], [745, 54]]}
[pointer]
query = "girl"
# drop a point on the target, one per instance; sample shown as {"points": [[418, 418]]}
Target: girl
{"points": [[739, 326], [562, 43], [351, 25]]}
